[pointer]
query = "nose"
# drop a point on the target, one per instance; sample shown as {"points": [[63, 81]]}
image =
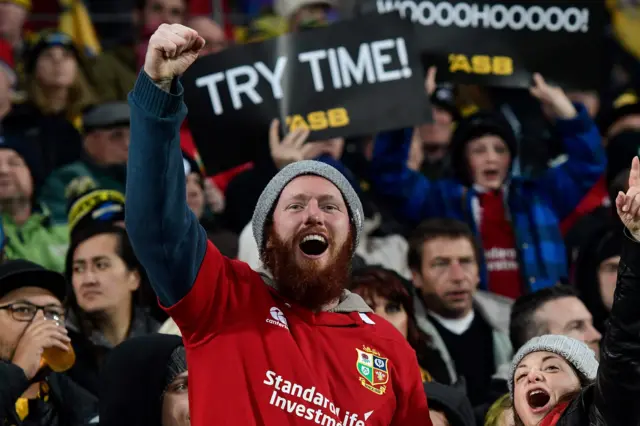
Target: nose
{"points": [[4, 167], [535, 375], [88, 278], [314, 213], [456, 272], [592, 335]]}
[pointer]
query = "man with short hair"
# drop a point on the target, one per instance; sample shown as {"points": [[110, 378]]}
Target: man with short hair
{"points": [[106, 148], [443, 257], [289, 346], [31, 314], [553, 310]]}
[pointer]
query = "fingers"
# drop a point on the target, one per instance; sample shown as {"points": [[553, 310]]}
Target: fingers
{"points": [[539, 80], [296, 138], [537, 90], [42, 329], [430, 81], [58, 342], [634, 174], [631, 206], [174, 39]]}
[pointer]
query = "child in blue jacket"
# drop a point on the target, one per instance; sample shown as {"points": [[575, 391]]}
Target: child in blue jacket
{"points": [[516, 219]]}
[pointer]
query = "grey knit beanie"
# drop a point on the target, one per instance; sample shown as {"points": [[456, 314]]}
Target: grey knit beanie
{"points": [[575, 352], [271, 193]]}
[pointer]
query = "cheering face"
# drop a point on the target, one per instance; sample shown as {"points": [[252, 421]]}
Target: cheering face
{"points": [[309, 247], [488, 158], [15, 178], [540, 381]]}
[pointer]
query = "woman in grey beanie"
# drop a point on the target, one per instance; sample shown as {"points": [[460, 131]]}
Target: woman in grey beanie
{"points": [[556, 380]]}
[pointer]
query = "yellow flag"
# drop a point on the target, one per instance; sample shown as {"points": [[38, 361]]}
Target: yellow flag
{"points": [[75, 21]]}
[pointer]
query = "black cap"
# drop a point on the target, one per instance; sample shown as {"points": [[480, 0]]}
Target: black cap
{"points": [[445, 97], [106, 116], [475, 126], [626, 103], [44, 40], [20, 273]]}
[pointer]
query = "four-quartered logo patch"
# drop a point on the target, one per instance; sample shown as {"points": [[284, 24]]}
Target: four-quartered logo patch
{"points": [[373, 369]]}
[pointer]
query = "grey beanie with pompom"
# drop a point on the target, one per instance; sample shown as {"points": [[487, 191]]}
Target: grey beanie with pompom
{"points": [[271, 193]]}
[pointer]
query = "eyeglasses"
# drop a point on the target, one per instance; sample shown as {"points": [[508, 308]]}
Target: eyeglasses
{"points": [[25, 312]]}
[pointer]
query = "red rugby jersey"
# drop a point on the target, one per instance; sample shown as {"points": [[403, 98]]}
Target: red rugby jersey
{"points": [[256, 359]]}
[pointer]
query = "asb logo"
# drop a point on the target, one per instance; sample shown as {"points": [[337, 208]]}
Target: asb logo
{"points": [[373, 369], [278, 318]]}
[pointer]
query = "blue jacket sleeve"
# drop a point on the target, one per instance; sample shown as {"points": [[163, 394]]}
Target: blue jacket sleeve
{"points": [[165, 234], [567, 184], [410, 193]]}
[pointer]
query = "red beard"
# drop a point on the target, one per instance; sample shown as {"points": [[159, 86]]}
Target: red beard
{"points": [[305, 283]]}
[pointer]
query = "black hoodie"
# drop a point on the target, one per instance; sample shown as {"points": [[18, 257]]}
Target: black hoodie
{"points": [[134, 379]]}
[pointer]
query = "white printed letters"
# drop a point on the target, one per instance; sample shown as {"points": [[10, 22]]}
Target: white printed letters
{"points": [[373, 64]]}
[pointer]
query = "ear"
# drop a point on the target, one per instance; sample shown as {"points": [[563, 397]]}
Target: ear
{"points": [[416, 279], [134, 281]]}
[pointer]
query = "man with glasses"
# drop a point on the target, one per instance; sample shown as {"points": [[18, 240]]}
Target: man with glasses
{"points": [[31, 312]]}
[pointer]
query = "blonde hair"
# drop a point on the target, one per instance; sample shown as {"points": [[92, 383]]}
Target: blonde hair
{"points": [[497, 408]]}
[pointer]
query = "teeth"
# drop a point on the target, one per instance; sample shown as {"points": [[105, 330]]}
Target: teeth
{"points": [[536, 392], [315, 237]]}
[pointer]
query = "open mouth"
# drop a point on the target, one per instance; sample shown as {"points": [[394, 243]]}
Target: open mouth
{"points": [[491, 174], [314, 245], [538, 399]]}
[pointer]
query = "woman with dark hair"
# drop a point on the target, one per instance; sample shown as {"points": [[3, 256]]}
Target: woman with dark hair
{"points": [[104, 306], [391, 297]]}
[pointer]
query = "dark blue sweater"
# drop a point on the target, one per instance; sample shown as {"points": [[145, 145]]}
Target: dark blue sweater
{"points": [[166, 236]]}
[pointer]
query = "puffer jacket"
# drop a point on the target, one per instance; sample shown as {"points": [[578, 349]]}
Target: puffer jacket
{"points": [[67, 403], [613, 399]]}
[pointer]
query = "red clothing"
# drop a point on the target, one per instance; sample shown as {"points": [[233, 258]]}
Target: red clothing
{"points": [[499, 245], [551, 419], [255, 359], [598, 196], [221, 180]]}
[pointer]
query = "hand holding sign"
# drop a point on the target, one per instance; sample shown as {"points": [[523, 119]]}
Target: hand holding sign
{"points": [[628, 205], [553, 97], [172, 49], [291, 148]]}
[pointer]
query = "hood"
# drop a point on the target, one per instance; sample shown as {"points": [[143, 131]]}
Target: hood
{"points": [[349, 302], [597, 249], [452, 402], [133, 380]]}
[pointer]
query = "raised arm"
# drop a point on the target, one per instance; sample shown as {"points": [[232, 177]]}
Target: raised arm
{"points": [[567, 184], [617, 391], [165, 234]]}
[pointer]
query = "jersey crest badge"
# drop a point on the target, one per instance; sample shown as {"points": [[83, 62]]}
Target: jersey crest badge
{"points": [[373, 370]]}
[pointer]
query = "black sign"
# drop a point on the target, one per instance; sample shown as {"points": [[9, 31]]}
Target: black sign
{"points": [[502, 43], [353, 78]]}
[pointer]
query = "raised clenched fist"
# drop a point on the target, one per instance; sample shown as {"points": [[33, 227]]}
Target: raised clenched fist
{"points": [[172, 49]]}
